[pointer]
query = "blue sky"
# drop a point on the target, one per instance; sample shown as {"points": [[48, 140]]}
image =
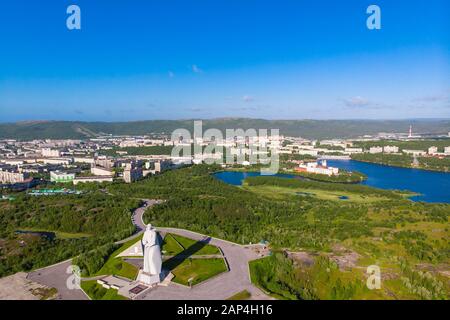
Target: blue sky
{"points": [[177, 59]]}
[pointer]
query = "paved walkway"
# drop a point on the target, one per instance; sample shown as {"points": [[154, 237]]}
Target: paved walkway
{"points": [[137, 219], [55, 276], [18, 287], [220, 287]]}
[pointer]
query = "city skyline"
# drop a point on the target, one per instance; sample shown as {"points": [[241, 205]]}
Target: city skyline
{"points": [[140, 60]]}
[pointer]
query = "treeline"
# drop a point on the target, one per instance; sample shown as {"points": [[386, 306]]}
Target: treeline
{"points": [[408, 145], [405, 161], [343, 177], [280, 276], [98, 217], [138, 151], [92, 261]]}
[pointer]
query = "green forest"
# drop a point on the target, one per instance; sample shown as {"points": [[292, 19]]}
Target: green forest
{"points": [[141, 151], [405, 160], [310, 129], [82, 223], [408, 240], [408, 145]]}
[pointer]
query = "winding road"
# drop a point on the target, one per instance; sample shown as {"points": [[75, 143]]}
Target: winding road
{"points": [[220, 287]]}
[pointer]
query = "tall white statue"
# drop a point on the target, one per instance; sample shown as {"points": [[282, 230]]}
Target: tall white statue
{"points": [[151, 272]]}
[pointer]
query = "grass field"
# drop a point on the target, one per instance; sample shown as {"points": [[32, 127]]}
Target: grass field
{"points": [[175, 244], [278, 193], [60, 234], [198, 270], [116, 266], [171, 246], [97, 292]]}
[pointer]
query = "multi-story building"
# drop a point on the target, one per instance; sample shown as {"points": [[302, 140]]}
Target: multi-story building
{"points": [[61, 161], [162, 165], [375, 150], [98, 171], [104, 162], [447, 150], [131, 173], [390, 149], [308, 152], [432, 150], [12, 177], [61, 177], [415, 152], [92, 179], [47, 152], [315, 167], [353, 150]]}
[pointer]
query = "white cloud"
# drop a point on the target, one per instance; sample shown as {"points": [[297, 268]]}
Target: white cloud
{"points": [[433, 98], [357, 101], [196, 69], [248, 98]]}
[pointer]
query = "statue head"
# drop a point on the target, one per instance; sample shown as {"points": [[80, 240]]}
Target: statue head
{"points": [[149, 227]]}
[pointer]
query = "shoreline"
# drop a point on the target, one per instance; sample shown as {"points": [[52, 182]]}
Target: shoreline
{"points": [[398, 166]]}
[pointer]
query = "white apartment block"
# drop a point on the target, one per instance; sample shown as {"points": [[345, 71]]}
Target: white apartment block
{"points": [[307, 152], [415, 152], [50, 153], [390, 149], [375, 150], [12, 177], [97, 171], [432, 150], [353, 150], [131, 174], [314, 167], [92, 179], [447, 150]]}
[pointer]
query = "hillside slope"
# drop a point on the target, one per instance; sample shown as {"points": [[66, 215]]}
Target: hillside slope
{"points": [[319, 129]]}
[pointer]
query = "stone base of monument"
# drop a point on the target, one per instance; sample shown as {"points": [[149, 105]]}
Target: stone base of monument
{"points": [[166, 278], [148, 279]]}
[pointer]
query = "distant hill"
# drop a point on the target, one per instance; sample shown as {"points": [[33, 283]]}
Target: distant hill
{"points": [[319, 129]]}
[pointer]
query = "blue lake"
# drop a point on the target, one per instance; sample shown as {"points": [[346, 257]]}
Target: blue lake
{"points": [[433, 186]]}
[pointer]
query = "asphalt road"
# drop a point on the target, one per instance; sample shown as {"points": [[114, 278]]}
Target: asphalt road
{"points": [[220, 287], [55, 276]]}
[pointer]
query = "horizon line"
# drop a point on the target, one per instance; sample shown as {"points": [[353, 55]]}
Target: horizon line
{"points": [[224, 118]]}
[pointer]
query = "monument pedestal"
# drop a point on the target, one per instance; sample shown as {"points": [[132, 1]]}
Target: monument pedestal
{"points": [[148, 279]]}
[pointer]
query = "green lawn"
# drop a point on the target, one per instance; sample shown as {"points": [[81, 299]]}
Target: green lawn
{"points": [[276, 192], [171, 246], [97, 292], [197, 269], [116, 266], [186, 243], [60, 234]]}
